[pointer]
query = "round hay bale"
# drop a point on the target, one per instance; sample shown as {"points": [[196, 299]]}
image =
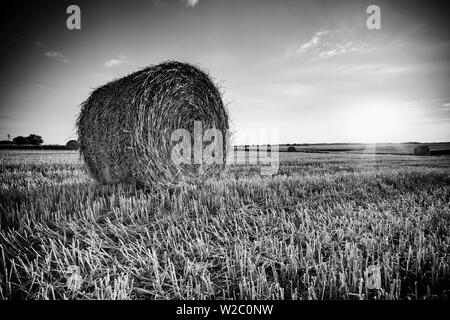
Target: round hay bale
{"points": [[72, 145], [291, 149], [125, 126], [422, 151]]}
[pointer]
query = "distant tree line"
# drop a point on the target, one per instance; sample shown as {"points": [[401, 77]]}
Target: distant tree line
{"points": [[35, 142], [32, 140]]}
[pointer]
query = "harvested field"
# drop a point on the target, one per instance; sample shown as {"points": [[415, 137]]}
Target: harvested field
{"points": [[309, 232]]}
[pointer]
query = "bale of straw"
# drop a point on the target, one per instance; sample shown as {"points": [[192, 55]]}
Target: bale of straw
{"points": [[72, 145], [291, 149], [125, 126], [422, 151]]}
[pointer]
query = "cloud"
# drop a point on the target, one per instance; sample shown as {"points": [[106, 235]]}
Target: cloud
{"points": [[191, 3], [314, 42], [114, 62], [54, 54], [338, 49], [47, 88], [57, 56], [446, 106], [326, 44], [371, 68]]}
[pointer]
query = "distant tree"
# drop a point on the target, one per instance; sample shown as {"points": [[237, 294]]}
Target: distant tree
{"points": [[32, 139], [35, 140], [20, 140]]}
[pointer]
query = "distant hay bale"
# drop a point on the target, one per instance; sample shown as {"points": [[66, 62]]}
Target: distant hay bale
{"points": [[72, 145], [291, 149], [422, 151], [125, 126]]}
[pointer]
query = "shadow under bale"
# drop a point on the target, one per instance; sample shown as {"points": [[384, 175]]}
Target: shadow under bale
{"points": [[125, 126]]}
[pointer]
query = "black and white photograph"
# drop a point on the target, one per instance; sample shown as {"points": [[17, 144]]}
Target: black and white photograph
{"points": [[238, 152]]}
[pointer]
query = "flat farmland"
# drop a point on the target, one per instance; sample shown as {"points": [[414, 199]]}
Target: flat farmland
{"points": [[311, 231], [360, 148]]}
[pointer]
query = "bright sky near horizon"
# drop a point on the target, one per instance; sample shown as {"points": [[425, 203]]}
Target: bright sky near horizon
{"points": [[310, 69]]}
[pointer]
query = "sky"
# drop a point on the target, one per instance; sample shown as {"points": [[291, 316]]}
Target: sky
{"points": [[310, 70]]}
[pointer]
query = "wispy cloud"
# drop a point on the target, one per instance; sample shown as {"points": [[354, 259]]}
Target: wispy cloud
{"points": [[314, 42], [191, 3], [338, 49], [119, 60], [325, 44], [371, 68], [57, 56], [446, 106], [47, 88], [54, 54]]}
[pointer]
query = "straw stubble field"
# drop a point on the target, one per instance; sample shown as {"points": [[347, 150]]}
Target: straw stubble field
{"points": [[309, 232]]}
